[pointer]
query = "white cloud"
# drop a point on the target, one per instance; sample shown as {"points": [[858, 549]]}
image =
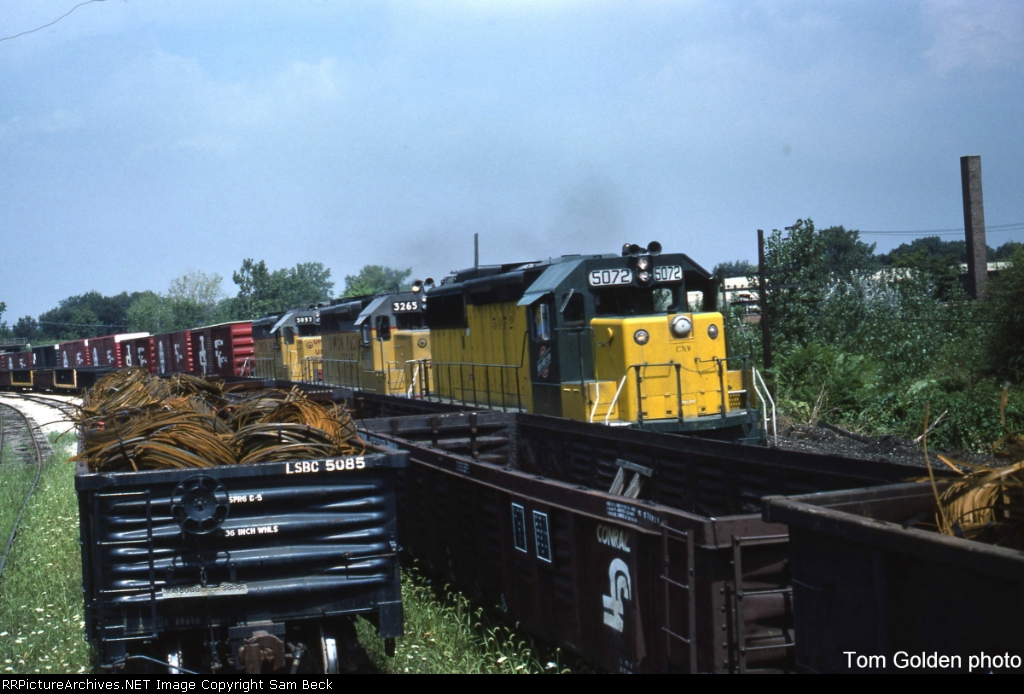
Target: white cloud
{"points": [[972, 34]]}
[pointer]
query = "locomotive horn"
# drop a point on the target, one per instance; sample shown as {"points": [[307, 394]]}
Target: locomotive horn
{"points": [[428, 283], [635, 250], [654, 248]]}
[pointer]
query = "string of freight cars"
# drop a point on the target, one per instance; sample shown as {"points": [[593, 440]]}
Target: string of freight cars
{"points": [[136, 421]]}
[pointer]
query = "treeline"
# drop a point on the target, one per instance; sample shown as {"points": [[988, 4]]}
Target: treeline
{"points": [[197, 298], [869, 342]]}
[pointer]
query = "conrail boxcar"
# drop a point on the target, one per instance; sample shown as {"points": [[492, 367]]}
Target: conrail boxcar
{"points": [[377, 344], [595, 338], [137, 352], [225, 349], [172, 352]]}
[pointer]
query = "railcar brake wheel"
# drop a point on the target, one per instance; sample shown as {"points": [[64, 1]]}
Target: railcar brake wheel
{"points": [[199, 504]]}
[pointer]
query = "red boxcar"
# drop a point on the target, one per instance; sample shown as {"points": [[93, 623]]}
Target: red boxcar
{"points": [[136, 350], [74, 354], [172, 352], [223, 350], [6, 364]]}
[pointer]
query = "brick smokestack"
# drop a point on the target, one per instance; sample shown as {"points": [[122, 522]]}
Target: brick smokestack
{"points": [[974, 225]]}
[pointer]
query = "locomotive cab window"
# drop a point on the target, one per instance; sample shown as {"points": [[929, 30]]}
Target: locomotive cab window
{"points": [[409, 321], [666, 299], [573, 309], [541, 322], [383, 328]]}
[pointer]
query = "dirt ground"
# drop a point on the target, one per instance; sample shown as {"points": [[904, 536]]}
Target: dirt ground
{"points": [[827, 439]]}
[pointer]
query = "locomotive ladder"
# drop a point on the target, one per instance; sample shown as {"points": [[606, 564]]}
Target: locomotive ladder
{"points": [[668, 536], [738, 595], [100, 562]]}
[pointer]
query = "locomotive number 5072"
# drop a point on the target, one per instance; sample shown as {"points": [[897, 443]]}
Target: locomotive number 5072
{"points": [[613, 276]]}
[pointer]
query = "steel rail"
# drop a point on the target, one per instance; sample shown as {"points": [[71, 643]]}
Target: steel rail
{"points": [[31, 491]]}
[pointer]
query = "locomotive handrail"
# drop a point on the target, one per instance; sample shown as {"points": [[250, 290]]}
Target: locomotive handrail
{"points": [[615, 400], [766, 399], [473, 366]]}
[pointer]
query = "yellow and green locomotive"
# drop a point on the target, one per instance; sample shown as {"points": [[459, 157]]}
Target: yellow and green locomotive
{"points": [[287, 345], [375, 343], [596, 338]]}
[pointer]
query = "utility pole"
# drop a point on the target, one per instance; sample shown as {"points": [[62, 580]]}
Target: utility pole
{"points": [[762, 299], [476, 250]]}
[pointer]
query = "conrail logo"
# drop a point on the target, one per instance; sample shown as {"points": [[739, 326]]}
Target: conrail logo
{"points": [[613, 537]]}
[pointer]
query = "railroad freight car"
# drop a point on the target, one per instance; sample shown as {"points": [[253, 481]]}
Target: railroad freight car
{"points": [[640, 551], [873, 593], [376, 344], [252, 568], [172, 352], [224, 349], [137, 352], [16, 365], [595, 338]]}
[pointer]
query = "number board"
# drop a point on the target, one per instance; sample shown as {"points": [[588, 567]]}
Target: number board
{"points": [[668, 273], [306, 320], [404, 306], [610, 277]]}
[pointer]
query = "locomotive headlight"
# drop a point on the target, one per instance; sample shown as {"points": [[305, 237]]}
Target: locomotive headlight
{"points": [[641, 337], [681, 326], [643, 264], [643, 276], [712, 331]]}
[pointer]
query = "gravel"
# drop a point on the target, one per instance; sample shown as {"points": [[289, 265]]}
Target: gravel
{"points": [[831, 440]]}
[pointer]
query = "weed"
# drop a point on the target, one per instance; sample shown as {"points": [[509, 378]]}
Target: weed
{"points": [[446, 633], [40, 592]]}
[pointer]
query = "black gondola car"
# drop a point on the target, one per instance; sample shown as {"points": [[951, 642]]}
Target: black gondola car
{"points": [[245, 568]]}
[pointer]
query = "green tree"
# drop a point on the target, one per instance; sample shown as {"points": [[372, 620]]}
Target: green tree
{"points": [[3, 325], [261, 291], [735, 268], [932, 246], [305, 284], [87, 315], [1003, 306], [376, 279], [803, 268], [27, 328], [1005, 252], [254, 291]]}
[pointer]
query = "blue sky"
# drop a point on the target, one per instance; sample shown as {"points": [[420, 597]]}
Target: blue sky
{"points": [[140, 139]]}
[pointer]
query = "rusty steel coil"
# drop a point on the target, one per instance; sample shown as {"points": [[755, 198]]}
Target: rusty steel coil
{"points": [[133, 420]]}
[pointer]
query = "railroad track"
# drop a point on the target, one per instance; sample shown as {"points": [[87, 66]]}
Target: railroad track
{"points": [[66, 407], [26, 445]]}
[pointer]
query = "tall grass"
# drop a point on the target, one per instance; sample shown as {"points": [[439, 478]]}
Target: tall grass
{"points": [[15, 481], [40, 591], [445, 633]]}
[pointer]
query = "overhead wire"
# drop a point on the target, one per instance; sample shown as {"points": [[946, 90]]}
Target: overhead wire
{"points": [[31, 31]]}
